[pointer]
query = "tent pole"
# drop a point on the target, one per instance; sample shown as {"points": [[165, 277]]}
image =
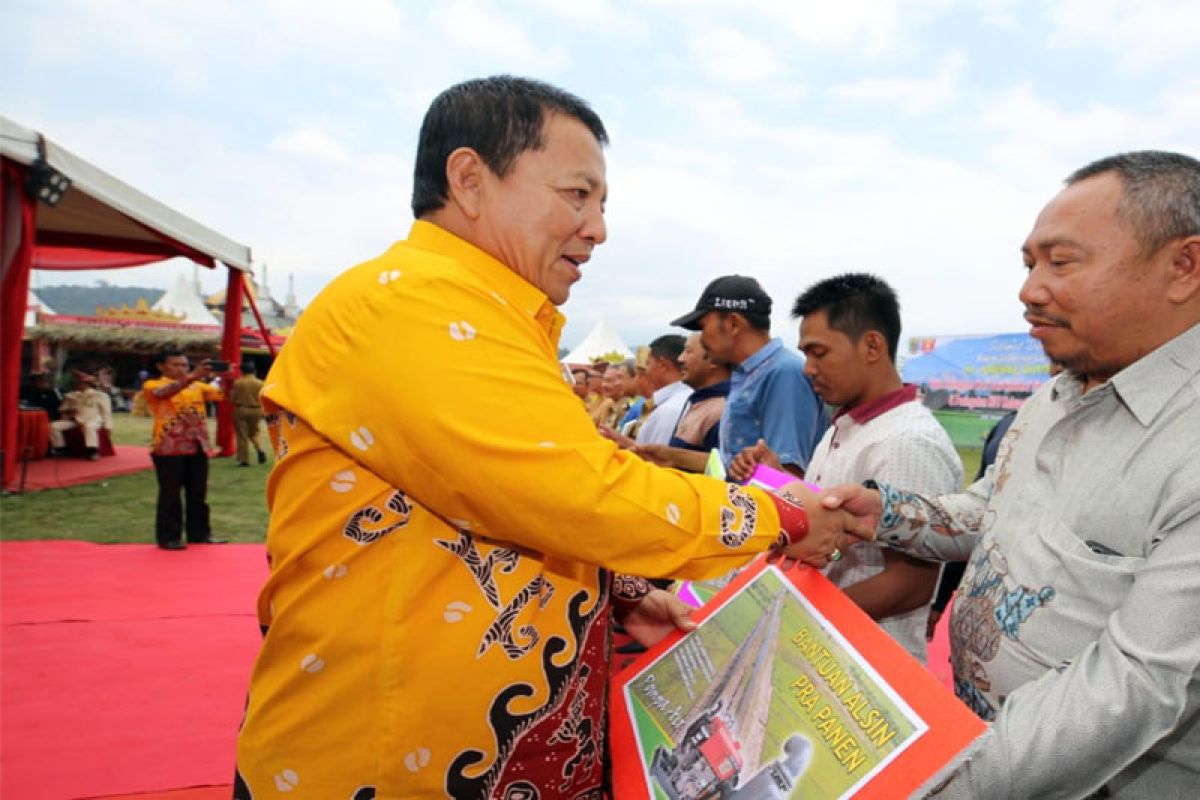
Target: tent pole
{"points": [[231, 351], [18, 217], [266, 334]]}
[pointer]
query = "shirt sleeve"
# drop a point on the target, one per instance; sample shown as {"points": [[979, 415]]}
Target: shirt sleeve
{"points": [[793, 419], [1069, 732], [942, 528], [452, 396], [210, 393]]}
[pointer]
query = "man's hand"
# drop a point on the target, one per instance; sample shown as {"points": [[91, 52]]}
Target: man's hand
{"points": [[864, 503], [829, 528], [624, 442], [655, 453], [658, 613], [203, 370], [743, 464]]}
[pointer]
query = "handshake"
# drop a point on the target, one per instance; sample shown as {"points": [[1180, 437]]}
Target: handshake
{"points": [[819, 524]]}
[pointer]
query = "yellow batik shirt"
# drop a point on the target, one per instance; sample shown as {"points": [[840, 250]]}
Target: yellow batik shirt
{"points": [[180, 419], [436, 615]]}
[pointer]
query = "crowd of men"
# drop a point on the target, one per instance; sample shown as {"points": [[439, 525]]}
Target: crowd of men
{"points": [[455, 549]]}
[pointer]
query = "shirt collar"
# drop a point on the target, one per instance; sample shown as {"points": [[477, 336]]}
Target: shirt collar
{"points": [[865, 412], [761, 355], [720, 389], [1149, 383], [506, 284], [665, 393]]}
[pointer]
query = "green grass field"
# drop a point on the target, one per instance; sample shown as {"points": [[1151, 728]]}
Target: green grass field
{"points": [[122, 509]]}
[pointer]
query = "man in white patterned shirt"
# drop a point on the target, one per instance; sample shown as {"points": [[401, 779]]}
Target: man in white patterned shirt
{"points": [[849, 331]]}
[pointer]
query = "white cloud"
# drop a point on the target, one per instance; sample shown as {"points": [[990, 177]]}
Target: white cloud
{"points": [[1029, 129], [912, 96], [477, 28], [1142, 35], [595, 16], [863, 28], [292, 128], [727, 55], [311, 142]]}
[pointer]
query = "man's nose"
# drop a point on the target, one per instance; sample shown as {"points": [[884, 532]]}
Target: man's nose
{"points": [[594, 228], [1033, 291]]}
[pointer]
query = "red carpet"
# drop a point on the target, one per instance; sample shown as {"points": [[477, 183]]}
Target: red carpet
{"points": [[123, 668], [939, 650], [55, 473]]}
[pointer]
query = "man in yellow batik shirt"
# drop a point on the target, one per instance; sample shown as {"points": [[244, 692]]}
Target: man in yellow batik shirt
{"points": [[445, 520], [179, 449]]}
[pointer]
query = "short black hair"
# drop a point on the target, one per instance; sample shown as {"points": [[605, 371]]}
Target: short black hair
{"points": [[855, 303], [669, 347], [760, 322], [499, 118], [168, 352], [1160, 199]]}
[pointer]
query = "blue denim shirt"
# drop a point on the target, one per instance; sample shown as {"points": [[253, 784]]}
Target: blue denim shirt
{"points": [[771, 398]]}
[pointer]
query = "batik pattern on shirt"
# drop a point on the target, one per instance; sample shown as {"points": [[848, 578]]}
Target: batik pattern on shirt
{"points": [[437, 622]]}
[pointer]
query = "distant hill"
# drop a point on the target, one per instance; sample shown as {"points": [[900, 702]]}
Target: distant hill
{"points": [[81, 301]]}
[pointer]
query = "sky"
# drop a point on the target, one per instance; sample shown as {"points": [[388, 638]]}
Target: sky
{"points": [[791, 141]]}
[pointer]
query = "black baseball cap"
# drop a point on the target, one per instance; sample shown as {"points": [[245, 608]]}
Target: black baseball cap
{"points": [[736, 293]]}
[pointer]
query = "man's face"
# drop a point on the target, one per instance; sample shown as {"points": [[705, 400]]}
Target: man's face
{"points": [[645, 380], [546, 216], [630, 383], [836, 366], [717, 338], [595, 383], [174, 367], [614, 386], [1093, 300], [694, 363], [580, 386]]}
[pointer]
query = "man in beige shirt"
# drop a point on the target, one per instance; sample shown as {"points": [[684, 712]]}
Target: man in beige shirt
{"points": [[86, 408]]}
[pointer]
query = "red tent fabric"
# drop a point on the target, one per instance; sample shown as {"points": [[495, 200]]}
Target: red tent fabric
{"points": [[98, 223], [18, 218], [62, 258]]}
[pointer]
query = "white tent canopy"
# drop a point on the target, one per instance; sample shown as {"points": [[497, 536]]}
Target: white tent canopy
{"points": [[99, 205], [602, 341], [181, 298], [34, 307]]}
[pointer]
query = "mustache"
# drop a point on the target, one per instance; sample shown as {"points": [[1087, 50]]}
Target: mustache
{"points": [[1035, 317]]}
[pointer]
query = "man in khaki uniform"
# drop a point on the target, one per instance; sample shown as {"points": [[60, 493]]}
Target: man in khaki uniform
{"points": [[247, 414]]}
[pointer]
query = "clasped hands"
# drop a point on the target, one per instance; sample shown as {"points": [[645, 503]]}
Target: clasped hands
{"points": [[837, 517], [834, 522]]}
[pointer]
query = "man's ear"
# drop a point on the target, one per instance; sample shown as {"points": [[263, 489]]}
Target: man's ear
{"points": [[1184, 283], [464, 181], [873, 346]]}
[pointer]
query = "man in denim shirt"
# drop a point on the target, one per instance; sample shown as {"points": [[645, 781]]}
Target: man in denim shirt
{"points": [[770, 398]]}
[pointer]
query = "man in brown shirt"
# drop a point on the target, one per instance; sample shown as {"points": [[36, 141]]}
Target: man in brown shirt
{"points": [[696, 432], [247, 414]]}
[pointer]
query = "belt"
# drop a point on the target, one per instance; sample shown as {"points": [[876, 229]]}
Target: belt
{"points": [[254, 406]]}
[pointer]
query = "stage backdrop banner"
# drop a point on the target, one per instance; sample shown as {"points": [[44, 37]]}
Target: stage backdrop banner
{"points": [[786, 690]]}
